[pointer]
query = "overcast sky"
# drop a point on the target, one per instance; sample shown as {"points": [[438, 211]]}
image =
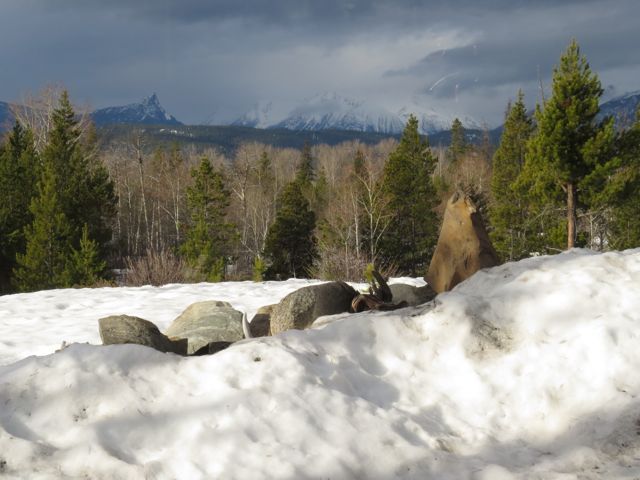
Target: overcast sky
{"points": [[211, 60]]}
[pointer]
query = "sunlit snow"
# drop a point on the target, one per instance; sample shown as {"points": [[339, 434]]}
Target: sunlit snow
{"points": [[525, 371]]}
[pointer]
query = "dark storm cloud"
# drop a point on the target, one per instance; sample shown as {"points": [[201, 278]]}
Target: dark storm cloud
{"points": [[309, 13], [525, 51], [205, 57]]}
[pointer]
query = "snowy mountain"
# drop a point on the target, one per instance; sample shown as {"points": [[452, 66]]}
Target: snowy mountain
{"points": [[260, 116], [148, 112], [528, 370], [331, 111], [622, 108]]}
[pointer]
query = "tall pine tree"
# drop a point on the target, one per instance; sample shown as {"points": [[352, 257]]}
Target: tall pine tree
{"points": [[615, 186], [459, 144], [209, 237], [85, 191], [412, 233], [19, 171], [508, 209], [556, 162], [290, 246], [46, 261], [75, 193]]}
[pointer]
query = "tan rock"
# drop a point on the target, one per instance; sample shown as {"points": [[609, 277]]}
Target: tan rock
{"points": [[463, 246], [260, 322]]}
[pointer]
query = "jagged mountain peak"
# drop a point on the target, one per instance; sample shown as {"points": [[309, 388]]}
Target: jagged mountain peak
{"points": [[148, 111]]}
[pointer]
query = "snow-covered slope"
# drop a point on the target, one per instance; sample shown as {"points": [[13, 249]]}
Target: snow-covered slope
{"points": [[525, 371], [622, 108], [333, 111], [147, 112], [432, 120]]}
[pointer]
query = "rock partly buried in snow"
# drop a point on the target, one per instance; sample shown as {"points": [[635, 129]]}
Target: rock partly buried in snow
{"points": [[213, 347], [260, 322], [205, 322], [463, 246], [300, 308], [401, 292], [121, 329]]}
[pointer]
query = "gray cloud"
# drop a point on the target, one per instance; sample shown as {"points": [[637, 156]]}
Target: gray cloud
{"points": [[213, 59]]}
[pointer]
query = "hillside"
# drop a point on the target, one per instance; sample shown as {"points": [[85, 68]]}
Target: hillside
{"points": [[229, 138]]}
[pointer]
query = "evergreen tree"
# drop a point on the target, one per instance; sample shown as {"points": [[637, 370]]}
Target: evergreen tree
{"points": [[557, 160], [84, 189], [615, 186], [411, 236], [19, 172], [85, 267], [306, 172], [459, 144], [45, 264], [209, 237], [508, 209], [290, 245]]}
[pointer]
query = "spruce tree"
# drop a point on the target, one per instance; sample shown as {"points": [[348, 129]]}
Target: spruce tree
{"points": [[19, 171], [412, 233], [305, 174], [85, 266], [45, 263], [459, 144], [616, 188], [556, 161], [210, 235], [85, 191], [508, 209], [290, 246]]}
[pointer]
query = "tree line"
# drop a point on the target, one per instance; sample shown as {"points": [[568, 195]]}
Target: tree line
{"points": [[73, 210]]}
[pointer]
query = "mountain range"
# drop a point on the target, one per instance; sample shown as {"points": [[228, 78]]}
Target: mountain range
{"points": [[146, 112], [331, 111], [326, 112]]}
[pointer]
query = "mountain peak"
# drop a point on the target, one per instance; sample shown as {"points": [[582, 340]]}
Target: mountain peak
{"points": [[149, 112], [151, 100]]}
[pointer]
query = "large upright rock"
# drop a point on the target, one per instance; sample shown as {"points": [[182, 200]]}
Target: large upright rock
{"points": [[119, 329], [463, 246], [205, 322], [300, 308]]}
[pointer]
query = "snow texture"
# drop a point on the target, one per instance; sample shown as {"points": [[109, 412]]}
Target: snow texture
{"points": [[524, 371]]}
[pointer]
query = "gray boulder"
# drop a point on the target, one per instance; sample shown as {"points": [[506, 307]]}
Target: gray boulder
{"points": [[205, 322], [411, 295], [300, 308], [119, 329]]}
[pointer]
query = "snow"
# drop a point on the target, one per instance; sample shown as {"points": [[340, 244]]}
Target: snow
{"points": [[524, 371], [331, 110]]}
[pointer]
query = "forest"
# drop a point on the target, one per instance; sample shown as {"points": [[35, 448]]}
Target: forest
{"points": [[78, 211]]}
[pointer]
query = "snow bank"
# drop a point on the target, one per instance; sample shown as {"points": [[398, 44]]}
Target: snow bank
{"points": [[528, 370]]}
